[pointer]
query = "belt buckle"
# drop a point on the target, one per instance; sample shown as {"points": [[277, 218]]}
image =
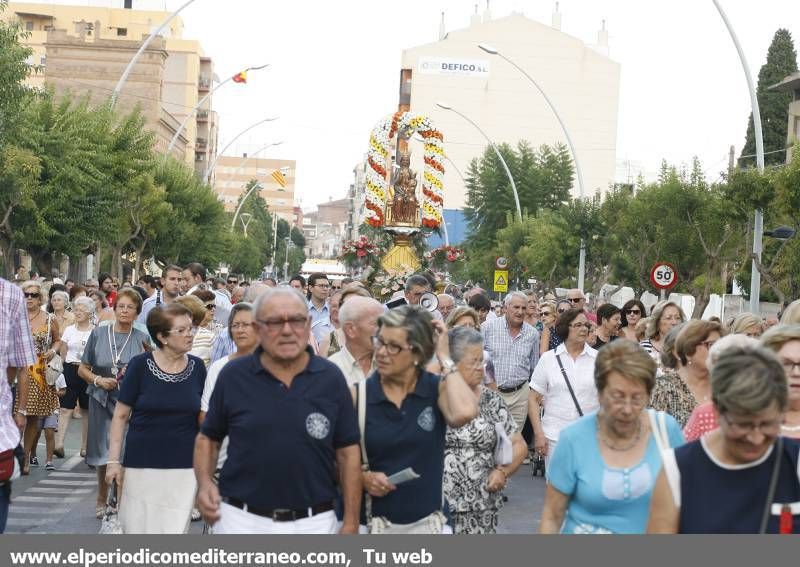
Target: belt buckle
{"points": [[283, 515]]}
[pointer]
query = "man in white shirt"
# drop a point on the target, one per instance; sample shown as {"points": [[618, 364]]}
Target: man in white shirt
{"points": [[171, 279], [358, 318]]}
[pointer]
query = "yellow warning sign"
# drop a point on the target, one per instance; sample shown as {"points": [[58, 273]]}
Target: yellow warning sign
{"points": [[501, 280]]}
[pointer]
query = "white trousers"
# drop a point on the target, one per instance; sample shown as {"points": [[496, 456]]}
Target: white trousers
{"points": [[551, 449], [235, 521]]}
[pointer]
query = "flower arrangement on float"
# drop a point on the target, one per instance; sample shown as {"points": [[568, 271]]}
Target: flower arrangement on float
{"points": [[377, 186], [441, 256], [389, 282], [359, 253]]}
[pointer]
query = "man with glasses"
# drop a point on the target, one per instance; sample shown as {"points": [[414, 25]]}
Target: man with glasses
{"points": [[293, 433], [318, 286], [514, 348], [578, 300], [446, 304], [231, 284]]}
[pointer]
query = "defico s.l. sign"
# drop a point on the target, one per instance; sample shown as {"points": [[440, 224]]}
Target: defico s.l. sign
{"points": [[664, 275]]}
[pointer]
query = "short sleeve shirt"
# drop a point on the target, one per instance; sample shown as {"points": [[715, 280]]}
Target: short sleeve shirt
{"points": [[604, 499], [282, 440], [410, 436], [163, 423]]}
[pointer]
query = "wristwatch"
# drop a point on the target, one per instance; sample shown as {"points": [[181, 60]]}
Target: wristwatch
{"points": [[448, 366]]}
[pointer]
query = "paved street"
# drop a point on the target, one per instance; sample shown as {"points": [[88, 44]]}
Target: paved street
{"points": [[62, 501]]}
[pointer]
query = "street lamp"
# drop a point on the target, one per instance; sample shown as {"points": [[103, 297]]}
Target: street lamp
{"points": [[494, 51], [200, 103], [145, 44], [245, 218], [758, 224], [780, 233], [286, 260], [257, 185], [239, 135], [494, 147]]}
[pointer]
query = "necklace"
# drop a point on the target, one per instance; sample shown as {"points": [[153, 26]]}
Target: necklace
{"points": [[790, 427], [32, 319], [116, 355], [608, 444]]}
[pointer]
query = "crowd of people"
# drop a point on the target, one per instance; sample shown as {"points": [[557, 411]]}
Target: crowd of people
{"points": [[312, 407]]}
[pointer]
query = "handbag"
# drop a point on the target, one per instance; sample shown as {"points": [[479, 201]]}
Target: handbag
{"points": [[55, 366], [503, 450], [111, 524], [433, 523], [569, 386], [7, 460]]}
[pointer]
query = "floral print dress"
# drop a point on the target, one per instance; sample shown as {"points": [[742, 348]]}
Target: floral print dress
{"points": [[468, 461], [42, 398]]}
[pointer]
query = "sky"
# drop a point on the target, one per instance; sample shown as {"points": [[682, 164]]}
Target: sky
{"points": [[334, 72]]}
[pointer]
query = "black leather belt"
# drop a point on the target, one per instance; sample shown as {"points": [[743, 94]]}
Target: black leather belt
{"points": [[280, 514], [509, 389]]}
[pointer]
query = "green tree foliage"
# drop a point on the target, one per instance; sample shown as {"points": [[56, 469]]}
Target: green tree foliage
{"points": [[250, 255], [13, 71], [773, 105]]}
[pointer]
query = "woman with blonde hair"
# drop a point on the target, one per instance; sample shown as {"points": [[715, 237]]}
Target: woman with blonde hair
{"points": [[664, 317], [791, 315], [784, 340], [746, 324]]}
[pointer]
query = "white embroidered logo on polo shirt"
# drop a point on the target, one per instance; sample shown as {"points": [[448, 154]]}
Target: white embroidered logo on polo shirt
{"points": [[317, 425], [426, 420]]}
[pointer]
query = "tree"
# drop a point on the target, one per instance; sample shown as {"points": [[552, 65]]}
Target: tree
{"points": [[773, 105], [249, 255], [14, 69]]}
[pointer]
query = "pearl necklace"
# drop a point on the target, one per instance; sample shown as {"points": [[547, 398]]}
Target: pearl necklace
{"points": [[606, 442]]}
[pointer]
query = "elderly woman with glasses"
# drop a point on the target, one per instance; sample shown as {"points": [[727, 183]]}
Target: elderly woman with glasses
{"points": [[602, 474], [105, 358], [741, 477], [679, 392], [405, 411], [159, 402], [473, 480], [550, 339], [565, 378], [784, 340]]}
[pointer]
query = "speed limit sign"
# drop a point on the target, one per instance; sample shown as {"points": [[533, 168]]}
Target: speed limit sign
{"points": [[664, 275]]}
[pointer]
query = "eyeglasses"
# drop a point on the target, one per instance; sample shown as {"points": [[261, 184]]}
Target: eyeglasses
{"points": [[233, 281], [322, 285], [768, 428], [636, 402], [240, 325], [633, 312], [296, 323], [186, 331], [545, 313], [576, 299], [32, 295], [210, 306], [391, 348], [789, 366], [336, 287], [579, 325]]}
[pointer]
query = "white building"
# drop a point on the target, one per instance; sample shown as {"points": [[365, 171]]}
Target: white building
{"points": [[580, 80]]}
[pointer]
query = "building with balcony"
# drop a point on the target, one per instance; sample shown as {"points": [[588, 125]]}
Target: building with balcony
{"points": [[792, 84], [84, 50], [233, 173]]}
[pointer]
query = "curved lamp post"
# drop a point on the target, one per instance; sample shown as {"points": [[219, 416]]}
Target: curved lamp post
{"points": [[241, 167], [145, 44], [239, 135], [758, 224], [494, 147], [201, 102], [494, 51]]}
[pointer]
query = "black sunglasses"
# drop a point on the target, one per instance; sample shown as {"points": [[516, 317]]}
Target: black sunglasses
{"points": [[233, 281], [633, 312], [32, 295]]}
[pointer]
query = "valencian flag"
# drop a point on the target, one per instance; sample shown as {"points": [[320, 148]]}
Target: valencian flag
{"points": [[240, 77], [279, 178]]}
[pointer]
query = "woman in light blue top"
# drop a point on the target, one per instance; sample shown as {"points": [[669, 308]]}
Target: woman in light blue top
{"points": [[605, 465]]}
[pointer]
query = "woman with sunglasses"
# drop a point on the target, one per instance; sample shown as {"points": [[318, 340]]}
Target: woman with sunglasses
{"points": [[742, 477], [550, 339], [42, 398], [601, 477], [565, 377], [632, 313], [159, 406], [405, 416], [207, 327]]}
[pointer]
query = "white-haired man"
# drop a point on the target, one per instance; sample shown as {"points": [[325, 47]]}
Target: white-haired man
{"points": [[358, 318], [514, 348]]}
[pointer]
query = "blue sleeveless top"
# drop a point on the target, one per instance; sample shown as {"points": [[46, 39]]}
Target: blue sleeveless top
{"points": [[727, 499]]}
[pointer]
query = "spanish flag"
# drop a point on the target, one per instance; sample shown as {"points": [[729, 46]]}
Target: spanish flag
{"points": [[240, 77], [279, 178]]}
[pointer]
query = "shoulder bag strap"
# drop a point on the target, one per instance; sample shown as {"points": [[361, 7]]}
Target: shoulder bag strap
{"points": [[773, 485], [656, 431], [569, 386], [361, 401]]}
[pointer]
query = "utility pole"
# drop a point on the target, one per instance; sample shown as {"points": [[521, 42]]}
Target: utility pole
{"points": [[731, 161]]}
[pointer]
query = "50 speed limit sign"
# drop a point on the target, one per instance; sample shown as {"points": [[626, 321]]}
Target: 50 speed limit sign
{"points": [[664, 275]]}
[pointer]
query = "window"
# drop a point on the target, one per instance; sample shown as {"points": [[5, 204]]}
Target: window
{"points": [[42, 60], [29, 26], [122, 32]]}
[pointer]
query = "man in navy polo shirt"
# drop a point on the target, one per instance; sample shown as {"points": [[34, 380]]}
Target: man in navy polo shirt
{"points": [[289, 418]]}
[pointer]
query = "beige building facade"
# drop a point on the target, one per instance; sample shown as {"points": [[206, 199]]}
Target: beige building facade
{"points": [[232, 173], [85, 49], [581, 81], [792, 84]]}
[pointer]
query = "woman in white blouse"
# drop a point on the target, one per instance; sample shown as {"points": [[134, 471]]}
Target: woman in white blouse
{"points": [[73, 342], [564, 378]]}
